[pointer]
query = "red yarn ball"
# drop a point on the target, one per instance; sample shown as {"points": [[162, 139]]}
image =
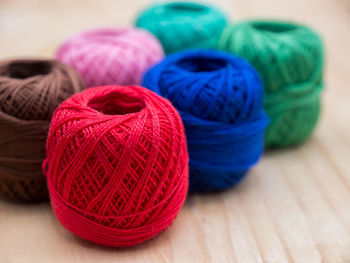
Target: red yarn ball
{"points": [[117, 164]]}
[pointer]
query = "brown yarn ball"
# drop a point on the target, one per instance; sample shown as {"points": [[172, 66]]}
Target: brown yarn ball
{"points": [[30, 91]]}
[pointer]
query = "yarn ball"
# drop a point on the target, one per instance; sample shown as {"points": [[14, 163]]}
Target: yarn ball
{"points": [[117, 164], [220, 99], [30, 90], [183, 25], [289, 58], [111, 56]]}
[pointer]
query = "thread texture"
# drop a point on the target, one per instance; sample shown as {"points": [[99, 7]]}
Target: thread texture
{"points": [[111, 56], [220, 99], [30, 90], [183, 25], [289, 58], [117, 164]]}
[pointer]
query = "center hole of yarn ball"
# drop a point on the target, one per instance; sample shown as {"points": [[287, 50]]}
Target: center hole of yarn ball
{"points": [[27, 69], [273, 27], [104, 35], [202, 64], [117, 103], [185, 7]]}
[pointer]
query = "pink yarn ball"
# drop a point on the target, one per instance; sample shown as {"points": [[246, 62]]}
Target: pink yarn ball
{"points": [[111, 56]]}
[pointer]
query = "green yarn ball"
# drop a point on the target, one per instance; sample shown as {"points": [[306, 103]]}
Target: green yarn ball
{"points": [[183, 25], [289, 58]]}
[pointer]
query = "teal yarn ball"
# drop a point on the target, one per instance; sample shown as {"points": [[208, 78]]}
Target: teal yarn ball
{"points": [[183, 25], [289, 58]]}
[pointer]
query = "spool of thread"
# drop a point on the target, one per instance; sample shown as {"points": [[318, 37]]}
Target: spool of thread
{"points": [[220, 99], [30, 90], [289, 58], [111, 56], [117, 164], [183, 25]]}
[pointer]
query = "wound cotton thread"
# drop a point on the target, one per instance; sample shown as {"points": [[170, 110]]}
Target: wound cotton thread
{"points": [[183, 25], [111, 56], [30, 90], [289, 58], [117, 164], [220, 99]]}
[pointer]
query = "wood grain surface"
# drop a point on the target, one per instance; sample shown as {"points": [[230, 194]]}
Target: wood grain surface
{"points": [[293, 207]]}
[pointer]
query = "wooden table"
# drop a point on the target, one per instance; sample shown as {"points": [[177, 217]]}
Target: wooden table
{"points": [[293, 207]]}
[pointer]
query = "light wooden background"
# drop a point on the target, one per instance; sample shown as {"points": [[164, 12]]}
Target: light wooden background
{"points": [[293, 207]]}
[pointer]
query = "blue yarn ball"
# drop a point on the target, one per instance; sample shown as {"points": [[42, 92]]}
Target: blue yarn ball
{"points": [[220, 99]]}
